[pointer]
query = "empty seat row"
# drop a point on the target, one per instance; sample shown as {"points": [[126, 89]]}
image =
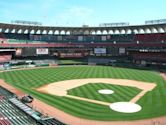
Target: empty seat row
{"points": [[14, 115], [4, 121]]}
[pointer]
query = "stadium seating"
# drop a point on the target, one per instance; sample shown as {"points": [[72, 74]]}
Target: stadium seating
{"points": [[11, 114], [2, 38], [159, 57], [16, 41], [51, 122], [5, 58], [16, 36], [4, 121], [1, 97], [119, 38], [15, 116], [153, 38], [122, 38], [5, 93], [58, 45], [14, 112]]}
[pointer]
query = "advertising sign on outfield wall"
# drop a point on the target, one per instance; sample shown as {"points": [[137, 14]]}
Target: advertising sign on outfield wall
{"points": [[100, 50], [42, 51]]}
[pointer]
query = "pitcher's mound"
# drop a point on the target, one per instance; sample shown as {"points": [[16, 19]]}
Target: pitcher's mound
{"points": [[125, 107], [105, 91]]}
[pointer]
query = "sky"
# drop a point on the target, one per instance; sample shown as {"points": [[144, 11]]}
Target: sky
{"points": [[82, 12]]}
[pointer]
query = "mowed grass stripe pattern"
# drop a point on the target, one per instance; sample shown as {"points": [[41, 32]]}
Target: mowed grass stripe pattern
{"points": [[153, 102], [90, 91]]}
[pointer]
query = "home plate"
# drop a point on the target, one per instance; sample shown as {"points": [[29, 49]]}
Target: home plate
{"points": [[105, 91], [125, 107]]}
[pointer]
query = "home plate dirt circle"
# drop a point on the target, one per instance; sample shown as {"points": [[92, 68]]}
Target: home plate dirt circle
{"points": [[125, 107], [105, 91]]}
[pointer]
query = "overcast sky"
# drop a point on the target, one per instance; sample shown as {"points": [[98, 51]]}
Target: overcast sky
{"points": [[80, 12]]}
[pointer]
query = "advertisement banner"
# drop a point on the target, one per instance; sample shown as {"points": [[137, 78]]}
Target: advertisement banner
{"points": [[100, 50], [42, 51]]}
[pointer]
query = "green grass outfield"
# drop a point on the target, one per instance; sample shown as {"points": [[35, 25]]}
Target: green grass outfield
{"points": [[153, 103]]}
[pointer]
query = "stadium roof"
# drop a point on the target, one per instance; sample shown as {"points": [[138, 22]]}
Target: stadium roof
{"points": [[13, 28]]}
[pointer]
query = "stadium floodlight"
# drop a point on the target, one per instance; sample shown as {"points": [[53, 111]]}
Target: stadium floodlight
{"points": [[22, 22], [162, 41], [114, 42], [161, 21], [114, 24]]}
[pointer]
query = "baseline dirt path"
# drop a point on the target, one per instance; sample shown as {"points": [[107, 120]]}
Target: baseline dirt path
{"points": [[11, 88], [88, 100], [163, 75], [60, 88]]}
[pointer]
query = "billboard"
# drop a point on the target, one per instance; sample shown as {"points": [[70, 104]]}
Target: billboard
{"points": [[114, 24], [100, 50], [149, 22], [122, 50], [42, 51]]}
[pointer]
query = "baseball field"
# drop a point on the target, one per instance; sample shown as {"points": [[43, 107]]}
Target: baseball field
{"points": [[79, 100]]}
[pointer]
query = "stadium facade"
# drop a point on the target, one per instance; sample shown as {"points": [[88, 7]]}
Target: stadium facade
{"points": [[140, 44]]}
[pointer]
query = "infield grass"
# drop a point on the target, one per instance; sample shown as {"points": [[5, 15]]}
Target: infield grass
{"points": [[90, 91]]}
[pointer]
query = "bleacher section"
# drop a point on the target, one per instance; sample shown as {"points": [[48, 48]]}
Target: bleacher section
{"points": [[5, 58], [3, 120], [14, 112], [82, 45], [122, 38], [151, 38], [51, 122], [6, 94], [29, 38], [36, 115], [119, 38], [44, 120], [2, 38], [16, 36], [159, 57], [16, 41], [14, 115]]}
